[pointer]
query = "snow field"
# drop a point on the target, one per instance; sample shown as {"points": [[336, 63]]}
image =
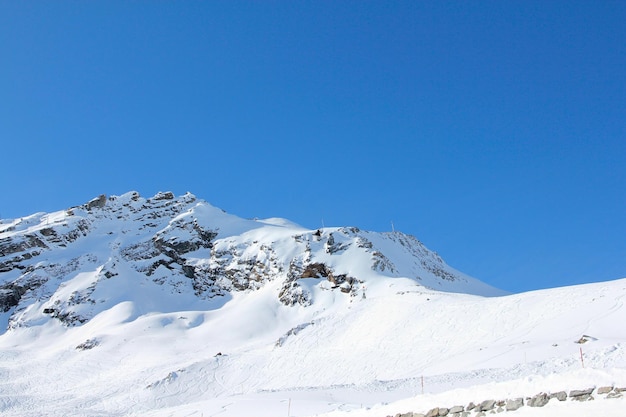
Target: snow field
{"points": [[152, 346]]}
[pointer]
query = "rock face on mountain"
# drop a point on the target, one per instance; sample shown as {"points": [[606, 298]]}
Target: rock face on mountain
{"points": [[60, 266]]}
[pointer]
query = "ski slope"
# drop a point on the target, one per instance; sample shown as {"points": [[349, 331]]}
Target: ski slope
{"points": [[120, 328]]}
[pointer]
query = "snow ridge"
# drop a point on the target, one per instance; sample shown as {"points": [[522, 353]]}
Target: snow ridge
{"points": [[168, 306], [73, 264]]}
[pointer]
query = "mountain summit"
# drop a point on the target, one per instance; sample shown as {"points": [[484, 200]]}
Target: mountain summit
{"points": [[166, 252]]}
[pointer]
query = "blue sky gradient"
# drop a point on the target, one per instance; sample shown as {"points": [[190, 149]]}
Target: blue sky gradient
{"points": [[493, 131]]}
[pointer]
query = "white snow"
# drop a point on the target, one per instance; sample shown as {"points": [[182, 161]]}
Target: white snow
{"points": [[405, 340]]}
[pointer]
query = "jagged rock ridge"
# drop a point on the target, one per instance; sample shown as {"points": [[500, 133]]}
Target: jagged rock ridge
{"points": [[61, 265]]}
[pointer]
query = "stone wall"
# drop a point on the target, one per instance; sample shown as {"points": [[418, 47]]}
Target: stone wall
{"points": [[485, 407]]}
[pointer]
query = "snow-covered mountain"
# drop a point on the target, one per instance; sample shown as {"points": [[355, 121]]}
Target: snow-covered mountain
{"points": [[170, 306], [171, 254]]}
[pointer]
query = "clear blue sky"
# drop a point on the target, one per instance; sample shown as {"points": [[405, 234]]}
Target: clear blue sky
{"points": [[494, 131]]}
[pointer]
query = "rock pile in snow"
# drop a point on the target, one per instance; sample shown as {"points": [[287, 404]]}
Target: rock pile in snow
{"points": [[481, 409]]}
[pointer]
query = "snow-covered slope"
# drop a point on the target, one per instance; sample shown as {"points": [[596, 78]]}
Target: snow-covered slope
{"points": [[170, 306], [170, 254]]}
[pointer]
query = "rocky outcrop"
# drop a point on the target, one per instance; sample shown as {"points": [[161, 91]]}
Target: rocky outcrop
{"points": [[194, 237], [9, 297], [9, 246], [176, 243], [98, 202], [88, 344], [12, 293]]}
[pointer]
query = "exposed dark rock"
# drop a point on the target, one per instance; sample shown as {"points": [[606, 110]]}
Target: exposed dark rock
{"points": [[69, 318], [292, 294], [206, 236], [10, 297], [604, 390], [174, 247], [48, 232], [333, 247], [364, 243], [382, 263], [11, 294], [9, 246], [7, 266], [98, 202], [139, 251], [320, 270], [189, 271], [109, 274], [316, 270], [168, 195], [438, 271], [88, 344]]}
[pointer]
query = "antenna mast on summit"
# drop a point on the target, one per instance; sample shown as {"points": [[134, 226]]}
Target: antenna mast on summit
{"points": [[393, 229]]}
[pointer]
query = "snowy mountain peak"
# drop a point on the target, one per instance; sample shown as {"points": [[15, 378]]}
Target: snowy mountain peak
{"points": [[169, 306], [73, 264]]}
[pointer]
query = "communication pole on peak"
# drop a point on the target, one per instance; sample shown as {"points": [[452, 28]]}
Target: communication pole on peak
{"points": [[323, 224], [393, 229]]}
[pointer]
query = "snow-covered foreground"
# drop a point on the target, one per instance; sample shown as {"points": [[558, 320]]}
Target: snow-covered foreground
{"points": [[305, 403], [341, 358], [170, 307]]}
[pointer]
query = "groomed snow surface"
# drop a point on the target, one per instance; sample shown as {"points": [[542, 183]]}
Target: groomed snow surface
{"points": [[410, 335], [359, 357]]}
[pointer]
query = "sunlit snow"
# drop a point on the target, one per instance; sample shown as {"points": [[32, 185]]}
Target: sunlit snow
{"points": [[408, 334]]}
